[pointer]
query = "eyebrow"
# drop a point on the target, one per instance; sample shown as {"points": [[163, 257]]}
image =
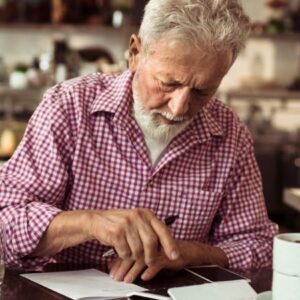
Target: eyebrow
{"points": [[205, 89], [176, 82]]}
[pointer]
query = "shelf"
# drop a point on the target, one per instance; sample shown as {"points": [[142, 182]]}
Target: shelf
{"points": [[12, 100], [23, 94], [285, 36], [260, 94], [5, 90], [67, 28]]}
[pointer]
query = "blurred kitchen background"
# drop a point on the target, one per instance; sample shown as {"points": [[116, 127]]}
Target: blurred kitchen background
{"points": [[43, 42]]}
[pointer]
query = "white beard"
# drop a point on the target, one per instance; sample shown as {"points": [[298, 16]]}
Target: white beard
{"points": [[147, 121]]}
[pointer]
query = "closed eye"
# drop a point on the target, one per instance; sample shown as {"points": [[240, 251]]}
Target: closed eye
{"points": [[169, 86]]}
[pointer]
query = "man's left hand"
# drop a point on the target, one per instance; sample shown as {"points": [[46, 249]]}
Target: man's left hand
{"points": [[190, 253], [128, 270]]}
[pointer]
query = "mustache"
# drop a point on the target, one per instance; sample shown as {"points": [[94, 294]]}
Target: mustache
{"points": [[170, 117]]}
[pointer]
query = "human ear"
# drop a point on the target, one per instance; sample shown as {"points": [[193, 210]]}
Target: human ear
{"points": [[134, 52]]}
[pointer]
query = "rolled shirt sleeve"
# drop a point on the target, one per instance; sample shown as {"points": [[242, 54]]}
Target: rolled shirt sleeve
{"points": [[34, 181], [242, 228]]}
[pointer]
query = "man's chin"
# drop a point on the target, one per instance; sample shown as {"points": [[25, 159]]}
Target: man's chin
{"points": [[166, 132]]}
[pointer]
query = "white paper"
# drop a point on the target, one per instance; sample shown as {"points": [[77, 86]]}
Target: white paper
{"points": [[225, 290], [84, 284]]}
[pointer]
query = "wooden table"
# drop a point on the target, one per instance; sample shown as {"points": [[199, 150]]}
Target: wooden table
{"points": [[17, 288]]}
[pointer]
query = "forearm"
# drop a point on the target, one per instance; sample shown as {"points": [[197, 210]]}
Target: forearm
{"points": [[67, 229], [202, 254]]}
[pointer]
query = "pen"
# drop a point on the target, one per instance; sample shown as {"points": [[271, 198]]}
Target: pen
{"points": [[168, 221]]}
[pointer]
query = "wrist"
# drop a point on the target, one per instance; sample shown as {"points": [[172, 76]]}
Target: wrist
{"points": [[88, 221], [202, 254]]}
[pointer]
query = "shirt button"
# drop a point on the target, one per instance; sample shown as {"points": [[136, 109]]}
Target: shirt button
{"points": [[151, 183]]}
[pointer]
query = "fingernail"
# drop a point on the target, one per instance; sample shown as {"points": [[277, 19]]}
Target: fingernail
{"points": [[144, 276], [128, 279], [174, 255], [111, 275], [119, 277]]}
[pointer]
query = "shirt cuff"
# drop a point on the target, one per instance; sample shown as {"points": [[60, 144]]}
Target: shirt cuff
{"points": [[25, 232], [239, 256]]}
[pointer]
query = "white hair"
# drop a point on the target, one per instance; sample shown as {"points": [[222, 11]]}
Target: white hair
{"points": [[206, 24]]}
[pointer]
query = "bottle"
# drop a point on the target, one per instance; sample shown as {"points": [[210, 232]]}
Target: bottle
{"points": [[277, 12], [18, 77], [2, 4], [3, 71], [58, 11], [295, 18], [34, 75], [8, 142], [121, 10], [60, 59]]}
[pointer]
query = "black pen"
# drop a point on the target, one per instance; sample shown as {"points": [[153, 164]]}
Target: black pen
{"points": [[168, 221]]}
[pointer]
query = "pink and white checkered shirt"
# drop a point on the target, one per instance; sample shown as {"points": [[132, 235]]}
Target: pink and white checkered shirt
{"points": [[83, 150]]}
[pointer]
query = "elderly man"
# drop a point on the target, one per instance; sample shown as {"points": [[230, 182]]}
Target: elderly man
{"points": [[105, 159]]}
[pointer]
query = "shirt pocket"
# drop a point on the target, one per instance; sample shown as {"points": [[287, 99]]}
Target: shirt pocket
{"points": [[197, 210]]}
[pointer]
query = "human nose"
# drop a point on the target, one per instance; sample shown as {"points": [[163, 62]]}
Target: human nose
{"points": [[179, 101]]}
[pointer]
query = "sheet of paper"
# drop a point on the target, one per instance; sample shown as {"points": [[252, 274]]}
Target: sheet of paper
{"points": [[229, 290], [84, 284]]}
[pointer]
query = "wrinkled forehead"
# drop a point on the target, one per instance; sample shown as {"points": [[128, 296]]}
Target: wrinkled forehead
{"points": [[182, 62], [167, 48], [176, 40]]}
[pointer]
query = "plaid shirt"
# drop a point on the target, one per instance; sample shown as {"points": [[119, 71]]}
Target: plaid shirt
{"points": [[83, 150]]}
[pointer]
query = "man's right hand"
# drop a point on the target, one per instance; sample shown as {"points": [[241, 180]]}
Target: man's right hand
{"points": [[134, 233]]}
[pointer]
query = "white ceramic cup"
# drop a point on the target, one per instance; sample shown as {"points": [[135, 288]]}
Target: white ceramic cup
{"points": [[286, 267], [286, 254], [285, 287]]}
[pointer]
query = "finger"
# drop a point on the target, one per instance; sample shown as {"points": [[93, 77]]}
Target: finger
{"points": [[110, 264], [150, 244], [151, 271], [168, 244], [135, 244], [123, 269], [135, 271], [114, 267], [122, 248]]}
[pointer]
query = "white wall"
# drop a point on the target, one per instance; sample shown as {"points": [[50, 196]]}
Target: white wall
{"points": [[256, 9]]}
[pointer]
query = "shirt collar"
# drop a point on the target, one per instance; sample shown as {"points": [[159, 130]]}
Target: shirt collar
{"points": [[205, 123], [213, 124], [115, 94]]}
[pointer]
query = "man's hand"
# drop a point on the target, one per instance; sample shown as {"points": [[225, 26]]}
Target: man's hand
{"points": [[190, 253], [128, 270], [136, 234]]}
